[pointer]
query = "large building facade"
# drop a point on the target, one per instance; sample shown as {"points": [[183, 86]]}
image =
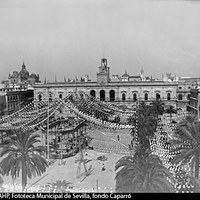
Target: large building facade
{"points": [[126, 90], [14, 100], [194, 102], [22, 78], [17, 90]]}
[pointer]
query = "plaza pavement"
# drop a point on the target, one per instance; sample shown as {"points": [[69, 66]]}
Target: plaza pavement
{"points": [[104, 143]]}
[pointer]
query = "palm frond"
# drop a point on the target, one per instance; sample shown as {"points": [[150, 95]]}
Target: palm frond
{"points": [[140, 174], [23, 149]]}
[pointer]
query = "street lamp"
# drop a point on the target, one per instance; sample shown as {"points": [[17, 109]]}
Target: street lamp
{"points": [[48, 125]]}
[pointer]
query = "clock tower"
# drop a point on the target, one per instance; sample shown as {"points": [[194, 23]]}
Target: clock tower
{"points": [[104, 72]]}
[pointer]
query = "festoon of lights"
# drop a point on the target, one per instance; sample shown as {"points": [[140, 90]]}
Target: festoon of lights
{"points": [[71, 104], [24, 117], [26, 112], [166, 152], [27, 117], [109, 105], [99, 122]]}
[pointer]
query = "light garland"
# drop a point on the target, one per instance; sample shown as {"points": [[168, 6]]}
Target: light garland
{"points": [[160, 148], [27, 118]]}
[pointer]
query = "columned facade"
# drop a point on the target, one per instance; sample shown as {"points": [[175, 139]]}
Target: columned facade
{"points": [[120, 93], [125, 92]]}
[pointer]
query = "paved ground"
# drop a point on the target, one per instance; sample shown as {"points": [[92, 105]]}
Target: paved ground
{"points": [[104, 143], [103, 179]]}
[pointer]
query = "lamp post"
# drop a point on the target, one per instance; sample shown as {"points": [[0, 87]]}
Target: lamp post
{"points": [[48, 126], [97, 186]]}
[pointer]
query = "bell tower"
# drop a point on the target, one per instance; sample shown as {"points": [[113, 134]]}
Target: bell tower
{"points": [[104, 62], [103, 76]]}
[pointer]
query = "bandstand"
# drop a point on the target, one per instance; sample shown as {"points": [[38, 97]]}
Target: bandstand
{"points": [[62, 123]]}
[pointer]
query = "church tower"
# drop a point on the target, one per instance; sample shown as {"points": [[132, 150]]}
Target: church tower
{"points": [[104, 72], [24, 74]]}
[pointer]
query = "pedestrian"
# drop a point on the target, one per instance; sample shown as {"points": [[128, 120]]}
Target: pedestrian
{"points": [[131, 143], [103, 167], [118, 137]]}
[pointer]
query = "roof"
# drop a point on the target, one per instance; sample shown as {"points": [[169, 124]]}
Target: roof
{"points": [[125, 74], [134, 76]]}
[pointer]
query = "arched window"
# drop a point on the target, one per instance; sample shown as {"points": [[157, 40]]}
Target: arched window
{"points": [[60, 96], [146, 96], [134, 97], [168, 96], [112, 95], [102, 95], [180, 97], [157, 96], [188, 96], [93, 93], [123, 97], [40, 97]]}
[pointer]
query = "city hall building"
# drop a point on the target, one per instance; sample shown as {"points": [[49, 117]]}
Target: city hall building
{"points": [[125, 90]]}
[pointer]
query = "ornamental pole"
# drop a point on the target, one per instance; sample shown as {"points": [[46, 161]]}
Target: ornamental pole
{"points": [[48, 128]]}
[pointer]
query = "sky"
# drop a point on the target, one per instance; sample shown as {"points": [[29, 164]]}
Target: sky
{"points": [[68, 38]]}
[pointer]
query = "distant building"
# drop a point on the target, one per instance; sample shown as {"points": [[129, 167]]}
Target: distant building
{"points": [[115, 78], [170, 78], [18, 90], [126, 77], [17, 99], [193, 82], [22, 78], [194, 102], [183, 95], [2, 103], [125, 90]]}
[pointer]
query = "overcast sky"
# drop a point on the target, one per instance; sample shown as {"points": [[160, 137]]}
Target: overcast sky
{"points": [[69, 37]]}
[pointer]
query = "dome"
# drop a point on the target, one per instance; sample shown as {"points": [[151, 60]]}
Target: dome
{"points": [[33, 75], [24, 74], [15, 74]]}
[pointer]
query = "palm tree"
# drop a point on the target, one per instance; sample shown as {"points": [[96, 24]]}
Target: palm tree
{"points": [[157, 107], [144, 172], [190, 119], [146, 124], [23, 154], [132, 121], [186, 145], [171, 109]]}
